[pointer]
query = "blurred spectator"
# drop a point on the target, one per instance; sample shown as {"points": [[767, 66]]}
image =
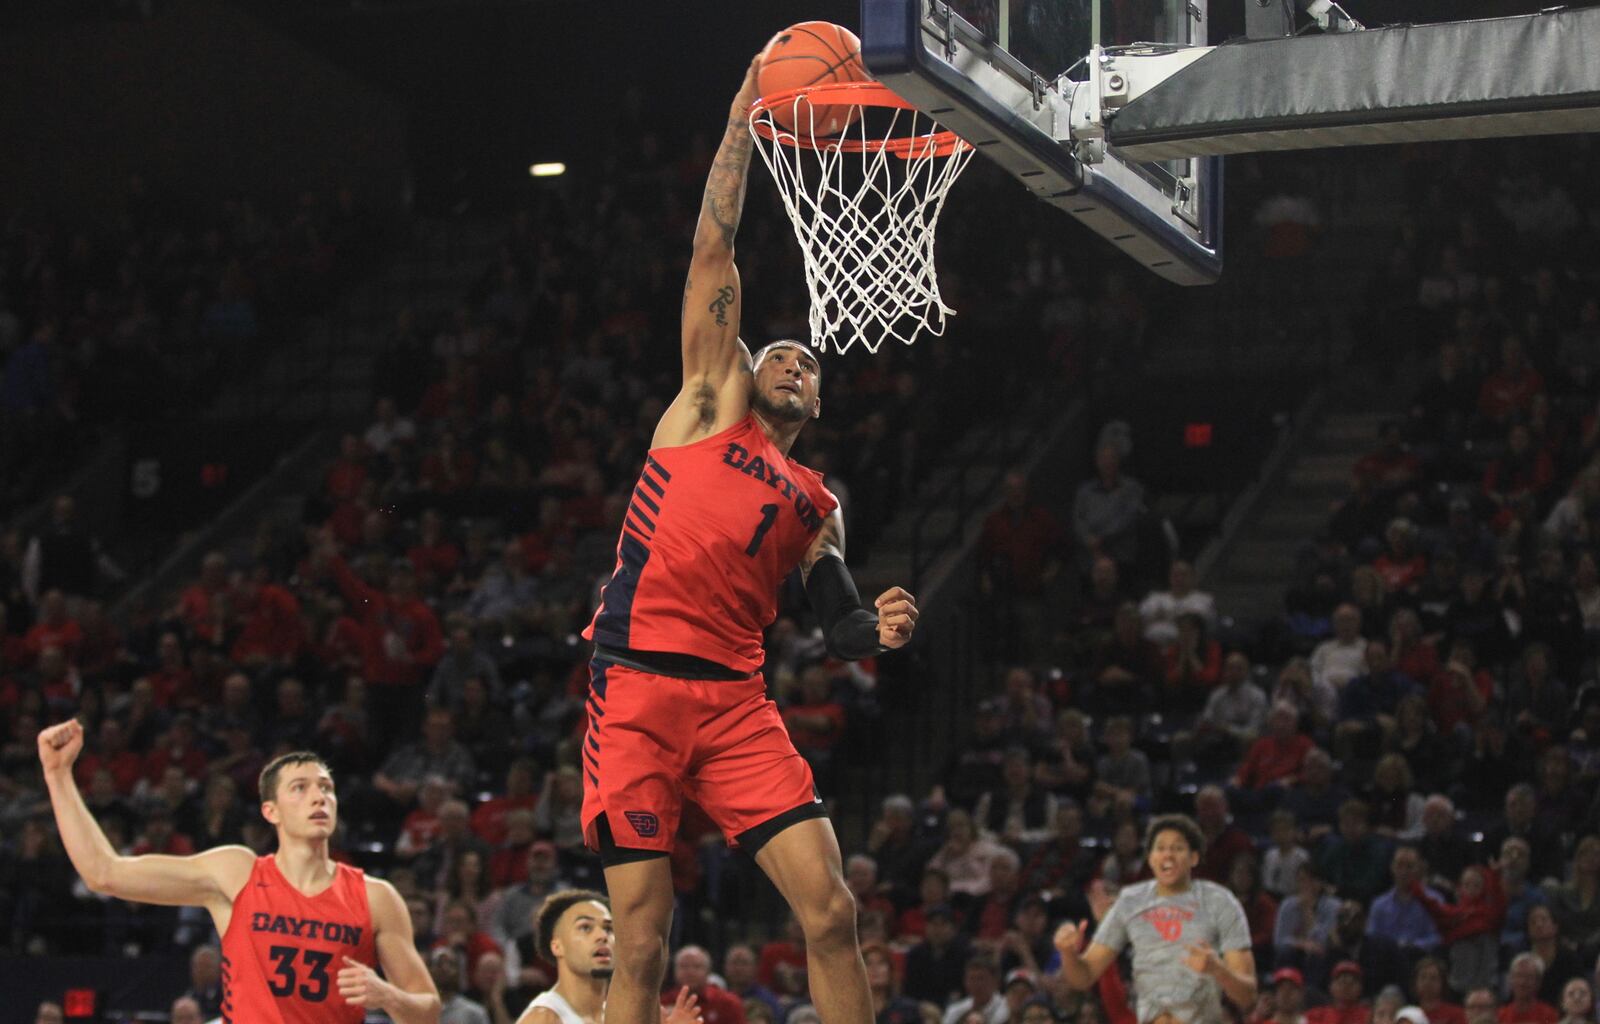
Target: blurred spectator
{"points": [[900, 852], [205, 981], [1106, 511], [933, 964], [739, 972], [1469, 928], [1347, 1006], [1276, 758], [981, 993], [1224, 840], [1401, 913], [964, 858], [1343, 656], [1281, 864], [1122, 773], [448, 966], [691, 969], [1524, 1006], [66, 557], [462, 661], [1305, 922], [1354, 861], [1021, 549], [1161, 608]]}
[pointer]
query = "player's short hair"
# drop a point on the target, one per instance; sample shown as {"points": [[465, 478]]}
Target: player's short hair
{"points": [[267, 783], [761, 353], [1180, 823], [556, 904]]}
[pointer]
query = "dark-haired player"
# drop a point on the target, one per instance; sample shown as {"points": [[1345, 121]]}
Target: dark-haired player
{"points": [[573, 931], [300, 932], [678, 708], [1191, 943]]}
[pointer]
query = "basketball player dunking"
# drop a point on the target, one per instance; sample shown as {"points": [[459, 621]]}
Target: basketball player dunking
{"points": [[573, 931], [300, 933], [677, 706]]}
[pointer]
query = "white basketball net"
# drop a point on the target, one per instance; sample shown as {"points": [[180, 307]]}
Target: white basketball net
{"points": [[864, 212]]}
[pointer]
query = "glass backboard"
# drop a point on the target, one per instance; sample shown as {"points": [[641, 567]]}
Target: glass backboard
{"points": [[1002, 74]]}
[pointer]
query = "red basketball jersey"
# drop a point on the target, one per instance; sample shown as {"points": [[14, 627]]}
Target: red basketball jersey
{"points": [[283, 951], [712, 529]]}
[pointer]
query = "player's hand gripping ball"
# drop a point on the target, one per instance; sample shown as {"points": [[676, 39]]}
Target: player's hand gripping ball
{"points": [[811, 53]]}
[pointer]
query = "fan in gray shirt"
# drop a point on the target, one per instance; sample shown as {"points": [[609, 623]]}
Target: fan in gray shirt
{"points": [[1191, 943]]}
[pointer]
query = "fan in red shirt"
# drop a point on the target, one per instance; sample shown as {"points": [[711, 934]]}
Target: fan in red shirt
{"points": [[691, 969], [816, 723], [1428, 985], [199, 604], [1389, 467], [269, 616], [111, 753], [489, 817], [176, 748], [1510, 389], [348, 474], [1275, 759], [1458, 694], [435, 556], [301, 934], [1347, 1007], [1480, 910], [1524, 1006], [1522, 472], [55, 628], [401, 638], [172, 681]]}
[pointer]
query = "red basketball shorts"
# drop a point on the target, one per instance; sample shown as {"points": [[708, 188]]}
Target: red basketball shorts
{"points": [[655, 741]]}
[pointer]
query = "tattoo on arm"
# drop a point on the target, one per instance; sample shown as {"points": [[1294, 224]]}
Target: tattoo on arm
{"points": [[830, 541], [724, 198], [720, 304], [683, 310]]}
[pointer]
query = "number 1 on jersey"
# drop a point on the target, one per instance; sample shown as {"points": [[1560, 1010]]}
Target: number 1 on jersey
{"points": [[769, 515]]}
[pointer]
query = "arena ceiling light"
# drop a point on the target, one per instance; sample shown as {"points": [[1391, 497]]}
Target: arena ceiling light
{"points": [[548, 170]]}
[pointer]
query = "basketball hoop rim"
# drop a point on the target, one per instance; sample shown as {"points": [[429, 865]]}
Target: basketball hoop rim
{"points": [[861, 94]]}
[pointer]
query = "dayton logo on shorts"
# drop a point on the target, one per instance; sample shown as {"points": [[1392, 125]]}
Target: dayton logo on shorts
{"points": [[643, 822], [1168, 921]]}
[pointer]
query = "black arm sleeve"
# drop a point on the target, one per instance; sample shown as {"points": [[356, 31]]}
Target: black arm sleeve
{"points": [[850, 631]]}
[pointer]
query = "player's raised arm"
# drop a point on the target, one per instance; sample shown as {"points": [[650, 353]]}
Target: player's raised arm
{"points": [[849, 630], [715, 392], [208, 879]]}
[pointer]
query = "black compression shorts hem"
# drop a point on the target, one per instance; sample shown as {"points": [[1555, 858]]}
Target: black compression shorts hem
{"points": [[612, 855], [751, 840]]}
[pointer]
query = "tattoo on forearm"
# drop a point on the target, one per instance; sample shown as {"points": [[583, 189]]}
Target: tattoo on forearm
{"points": [[828, 542], [724, 198], [720, 304], [683, 309]]}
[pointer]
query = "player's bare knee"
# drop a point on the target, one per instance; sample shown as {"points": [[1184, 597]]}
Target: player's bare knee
{"points": [[641, 954], [829, 919]]}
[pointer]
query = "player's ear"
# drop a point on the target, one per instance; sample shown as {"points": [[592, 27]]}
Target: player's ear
{"points": [[557, 948], [269, 811], [816, 407]]}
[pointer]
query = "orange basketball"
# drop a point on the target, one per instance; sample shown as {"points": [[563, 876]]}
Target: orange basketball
{"points": [[810, 53]]}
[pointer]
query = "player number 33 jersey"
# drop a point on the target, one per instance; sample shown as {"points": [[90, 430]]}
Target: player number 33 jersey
{"points": [[283, 950]]}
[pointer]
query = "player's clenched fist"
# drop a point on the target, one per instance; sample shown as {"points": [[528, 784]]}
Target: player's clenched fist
{"points": [[361, 986], [60, 745], [1069, 937], [897, 617]]}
